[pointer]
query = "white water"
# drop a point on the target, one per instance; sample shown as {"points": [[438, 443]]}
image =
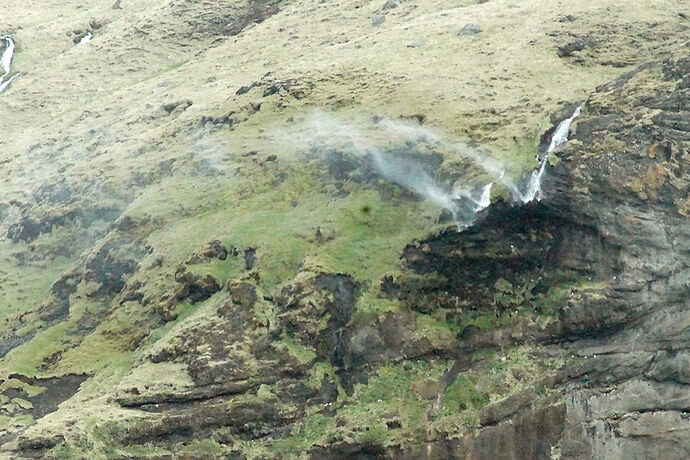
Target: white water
{"points": [[86, 38], [559, 137], [6, 63], [465, 200], [7, 56], [485, 200], [4, 85]]}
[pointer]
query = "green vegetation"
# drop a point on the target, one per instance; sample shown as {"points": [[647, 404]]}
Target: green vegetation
{"points": [[303, 354], [461, 395]]}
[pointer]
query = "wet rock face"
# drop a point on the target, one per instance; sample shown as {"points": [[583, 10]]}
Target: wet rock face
{"points": [[613, 232]]}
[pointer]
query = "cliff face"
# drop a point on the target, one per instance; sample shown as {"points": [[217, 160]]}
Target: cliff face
{"points": [[603, 259], [189, 270]]}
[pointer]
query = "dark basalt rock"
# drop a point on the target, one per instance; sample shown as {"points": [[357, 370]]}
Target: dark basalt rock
{"points": [[612, 234]]}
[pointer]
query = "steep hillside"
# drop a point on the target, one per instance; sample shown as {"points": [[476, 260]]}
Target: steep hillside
{"points": [[223, 234]]}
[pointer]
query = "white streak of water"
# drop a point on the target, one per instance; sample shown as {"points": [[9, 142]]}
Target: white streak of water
{"points": [[559, 137], [86, 38], [467, 198], [4, 85], [7, 56], [485, 199]]}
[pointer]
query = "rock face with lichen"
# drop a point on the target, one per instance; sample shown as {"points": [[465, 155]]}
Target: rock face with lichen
{"points": [[186, 273], [603, 261]]}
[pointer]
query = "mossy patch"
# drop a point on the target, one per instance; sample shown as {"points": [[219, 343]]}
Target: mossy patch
{"points": [[303, 354]]}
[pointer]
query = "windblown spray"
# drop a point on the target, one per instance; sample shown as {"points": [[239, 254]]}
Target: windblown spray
{"points": [[463, 201]]}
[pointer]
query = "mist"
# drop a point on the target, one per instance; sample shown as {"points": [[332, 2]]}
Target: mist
{"points": [[397, 148]]}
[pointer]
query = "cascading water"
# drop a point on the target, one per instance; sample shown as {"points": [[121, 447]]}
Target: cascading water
{"points": [[467, 197], [533, 189], [4, 85], [6, 63], [7, 56], [559, 137]]}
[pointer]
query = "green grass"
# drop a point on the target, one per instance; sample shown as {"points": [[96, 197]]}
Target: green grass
{"points": [[462, 395], [312, 431], [303, 354]]}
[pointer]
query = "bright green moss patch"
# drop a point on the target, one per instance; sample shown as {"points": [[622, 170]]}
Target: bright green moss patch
{"points": [[370, 306], [206, 448], [440, 333], [462, 395]]}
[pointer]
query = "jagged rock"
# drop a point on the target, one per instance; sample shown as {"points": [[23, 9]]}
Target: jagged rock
{"points": [[243, 293], [211, 250], [193, 287], [96, 24]]}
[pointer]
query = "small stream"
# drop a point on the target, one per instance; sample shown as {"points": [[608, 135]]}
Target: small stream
{"points": [[6, 63]]}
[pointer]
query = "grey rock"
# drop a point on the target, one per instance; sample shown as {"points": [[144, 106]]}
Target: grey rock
{"points": [[378, 20], [390, 4], [470, 29]]}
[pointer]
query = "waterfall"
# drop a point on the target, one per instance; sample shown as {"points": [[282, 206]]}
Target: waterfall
{"points": [[7, 56], [4, 85], [86, 38], [6, 63], [485, 198], [559, 137]]}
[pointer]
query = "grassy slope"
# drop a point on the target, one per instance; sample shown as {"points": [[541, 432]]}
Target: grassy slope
{"points": [[497, 88]]}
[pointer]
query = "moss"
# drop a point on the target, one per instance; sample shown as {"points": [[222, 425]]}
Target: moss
{"points": [[314, 430], [370, 306], [28, 358], [278, 212], [389, 396], [206, 448], [440, 333], [254, 450], [25, 284], [20, 420], [462, 395], [22, 403], [221, 270], [319, 371], [303, 354]]}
